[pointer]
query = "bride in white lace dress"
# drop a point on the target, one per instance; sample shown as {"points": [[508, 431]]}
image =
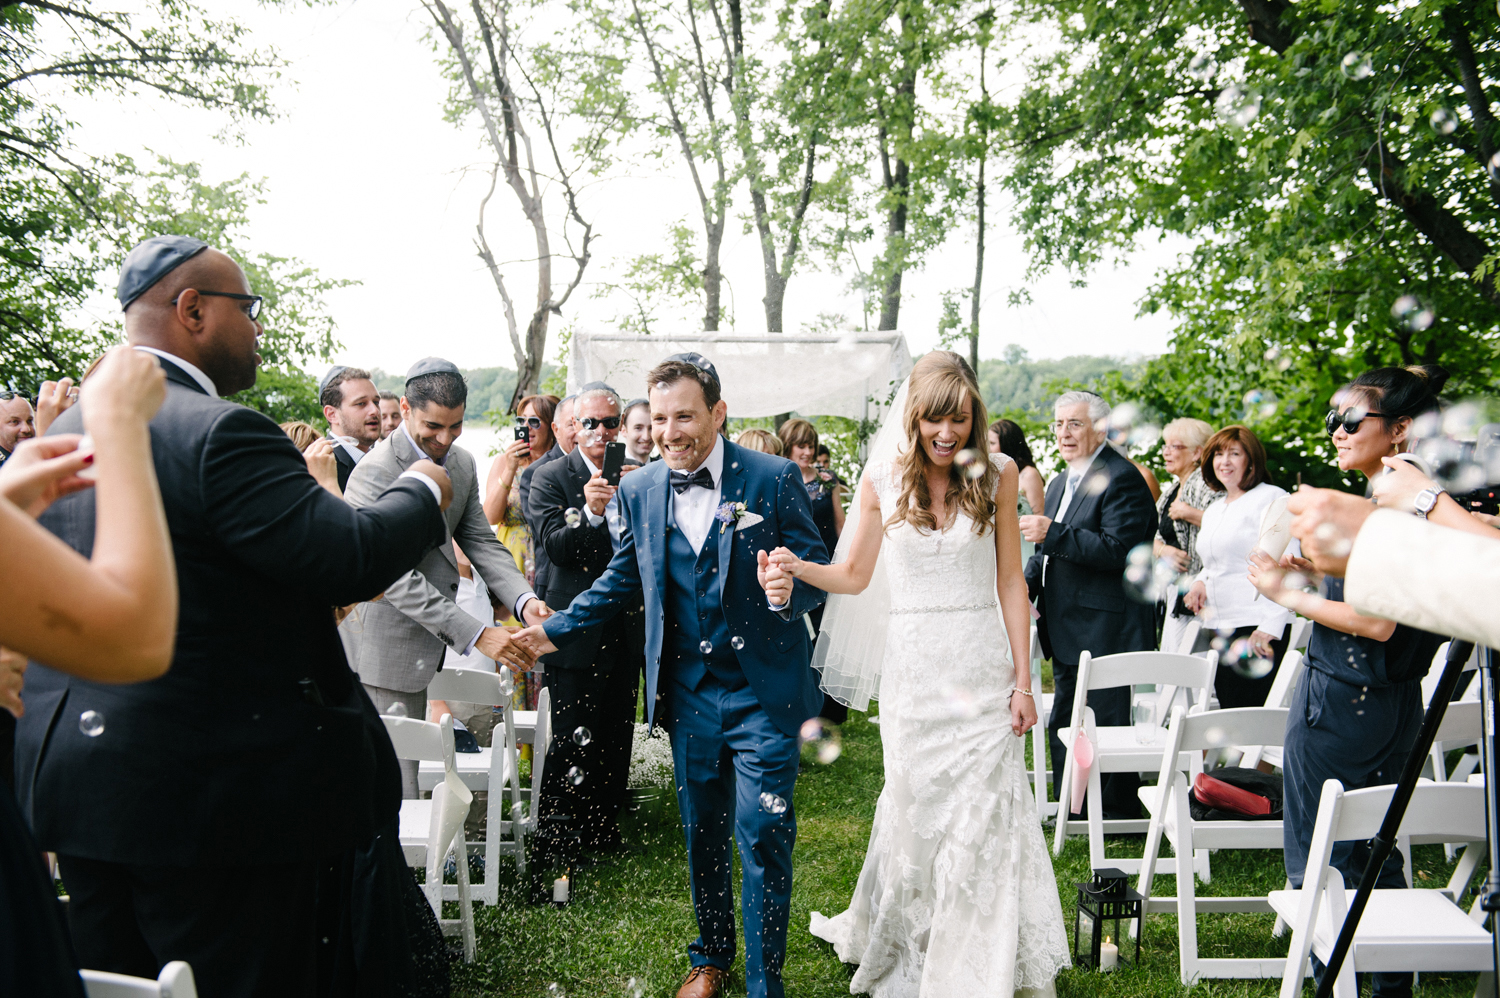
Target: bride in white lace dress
{"points": [[957, 895]]}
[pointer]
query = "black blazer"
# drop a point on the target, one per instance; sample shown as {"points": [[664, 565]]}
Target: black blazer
{"points": [[259, 745], [578, 556], [345, 461], [543, 566], [1083, 606]]}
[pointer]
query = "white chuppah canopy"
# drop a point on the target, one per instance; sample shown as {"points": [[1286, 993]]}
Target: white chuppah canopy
{"points": [[823, 374]]}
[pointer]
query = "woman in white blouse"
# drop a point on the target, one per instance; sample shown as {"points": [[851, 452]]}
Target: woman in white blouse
{"points": [[1248, 633]]}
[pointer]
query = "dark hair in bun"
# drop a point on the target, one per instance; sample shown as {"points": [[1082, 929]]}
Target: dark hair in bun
{"points": [[1401, 392]]}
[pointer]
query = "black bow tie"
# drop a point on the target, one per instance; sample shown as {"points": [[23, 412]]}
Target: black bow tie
{"points": [[682, 481]]}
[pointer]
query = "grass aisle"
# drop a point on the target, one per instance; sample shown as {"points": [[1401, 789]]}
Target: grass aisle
{"points": [[630, 916]]}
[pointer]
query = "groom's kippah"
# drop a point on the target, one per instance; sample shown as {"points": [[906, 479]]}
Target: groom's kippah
{"points": [[333, 372], [151, 261], [432, 365], [701, 362]]}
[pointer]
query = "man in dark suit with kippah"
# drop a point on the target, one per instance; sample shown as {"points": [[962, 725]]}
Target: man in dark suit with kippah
{"points": [[196, 817]]}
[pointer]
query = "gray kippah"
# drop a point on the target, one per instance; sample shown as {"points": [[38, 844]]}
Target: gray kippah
{"points": [[151, 261], [432, 365], [333, 372], [598, 386], [701, 362]]}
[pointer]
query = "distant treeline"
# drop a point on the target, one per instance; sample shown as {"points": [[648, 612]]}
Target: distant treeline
{"points": [[489, 387], [1016, 383]]}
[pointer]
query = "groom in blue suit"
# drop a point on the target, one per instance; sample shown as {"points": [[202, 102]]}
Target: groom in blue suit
{"points": [[728, 671]]}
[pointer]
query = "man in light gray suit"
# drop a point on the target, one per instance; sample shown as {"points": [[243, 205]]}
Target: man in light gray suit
{"points": [[396, 641]]}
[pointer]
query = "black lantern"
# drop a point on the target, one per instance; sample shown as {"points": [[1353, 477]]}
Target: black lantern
{"points": [[1105, 899]]}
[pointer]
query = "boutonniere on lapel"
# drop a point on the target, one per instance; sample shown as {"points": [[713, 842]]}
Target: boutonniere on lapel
{"points": [[736, 515]]}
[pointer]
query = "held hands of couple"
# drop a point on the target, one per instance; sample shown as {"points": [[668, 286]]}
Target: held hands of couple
{"points": [[776, 572]]}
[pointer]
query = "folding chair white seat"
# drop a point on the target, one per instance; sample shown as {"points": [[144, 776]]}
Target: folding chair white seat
{"points": [[1401, 930], [1116, 749], [493, 769], [1041, 775], [432, 829], [174, 981], [1167, 802]]}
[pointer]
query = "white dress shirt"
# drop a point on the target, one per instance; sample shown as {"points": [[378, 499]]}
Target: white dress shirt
{"points": [[193, 372], [1230, 531], [693, 510]]}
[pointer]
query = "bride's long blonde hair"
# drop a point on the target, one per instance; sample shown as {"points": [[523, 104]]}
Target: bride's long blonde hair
{"points": [[943, 384]]}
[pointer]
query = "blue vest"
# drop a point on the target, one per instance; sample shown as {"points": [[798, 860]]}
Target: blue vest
{"points": [[694, 612]]}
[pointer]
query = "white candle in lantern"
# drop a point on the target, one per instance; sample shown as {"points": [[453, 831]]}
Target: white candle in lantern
{"points": [[560, 890], [1109, 955]]}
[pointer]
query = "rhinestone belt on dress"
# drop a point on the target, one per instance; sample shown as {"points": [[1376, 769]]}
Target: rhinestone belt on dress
{"points": [[957, 608]]}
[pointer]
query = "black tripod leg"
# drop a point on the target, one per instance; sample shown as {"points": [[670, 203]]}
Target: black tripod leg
{"points": [[1490, 900], [1385, 840]]}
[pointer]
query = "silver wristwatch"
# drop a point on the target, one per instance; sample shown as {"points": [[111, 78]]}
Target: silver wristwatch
{"points": [[1427, 499]]}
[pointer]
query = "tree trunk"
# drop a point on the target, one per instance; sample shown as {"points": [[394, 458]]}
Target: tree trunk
{"points": [[978, 271], [902, 121]]}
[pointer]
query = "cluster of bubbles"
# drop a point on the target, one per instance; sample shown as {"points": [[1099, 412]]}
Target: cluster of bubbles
{"points": [[1237, 105], [1261, 402], [91, 723], [824, 737], [1410, 312], [772, 803], [576, 776], [582, 736], [1124, 427], [572, 517], [1357, 66], [1150, 579], [1273, 355], [1462, 452], [1242, 657], [971, 463]]}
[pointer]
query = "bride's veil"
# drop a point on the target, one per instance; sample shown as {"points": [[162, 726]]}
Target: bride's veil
{"points": [[851, 645]]}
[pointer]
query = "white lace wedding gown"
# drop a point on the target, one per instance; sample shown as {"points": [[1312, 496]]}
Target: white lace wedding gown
{"points": [[957, 895]]}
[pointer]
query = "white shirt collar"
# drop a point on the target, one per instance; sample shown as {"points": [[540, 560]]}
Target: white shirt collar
{"points": [[593, 469], [350, 445], [422, 455], [1081, 465], [192, 371]]}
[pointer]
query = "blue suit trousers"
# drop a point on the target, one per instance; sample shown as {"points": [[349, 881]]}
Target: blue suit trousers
{"points": [[727, 753]]}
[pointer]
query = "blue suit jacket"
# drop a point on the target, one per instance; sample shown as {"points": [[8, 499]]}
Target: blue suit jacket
{"points": [[777, 655]]}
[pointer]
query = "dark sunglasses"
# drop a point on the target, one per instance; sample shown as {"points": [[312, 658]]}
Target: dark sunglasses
{"points": [[1349, 419], [608, 422], [535, 422], [255, 300]]}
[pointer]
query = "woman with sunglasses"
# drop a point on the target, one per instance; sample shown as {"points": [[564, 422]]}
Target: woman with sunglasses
{"points": [[1358, 705]]}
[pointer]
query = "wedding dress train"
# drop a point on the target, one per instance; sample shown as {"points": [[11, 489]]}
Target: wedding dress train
{"points": [[957, 894]]}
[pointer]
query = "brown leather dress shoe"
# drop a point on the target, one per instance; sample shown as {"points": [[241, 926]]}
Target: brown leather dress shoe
{"points": [[703, 982]]}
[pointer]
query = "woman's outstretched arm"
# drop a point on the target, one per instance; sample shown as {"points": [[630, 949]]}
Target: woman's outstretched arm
{"points": [[851, 575], [112, 618], [1010, 587]]}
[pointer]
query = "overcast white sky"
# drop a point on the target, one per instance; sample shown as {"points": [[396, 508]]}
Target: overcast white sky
{"points": [[366, 181]]}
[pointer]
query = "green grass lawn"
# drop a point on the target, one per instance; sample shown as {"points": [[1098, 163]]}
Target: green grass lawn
{"points": [[630, 916]]}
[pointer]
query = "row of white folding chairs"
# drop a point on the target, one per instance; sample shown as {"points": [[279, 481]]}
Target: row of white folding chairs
{"points": [[495, 769]]}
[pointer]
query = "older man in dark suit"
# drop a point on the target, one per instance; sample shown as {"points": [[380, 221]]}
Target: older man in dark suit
{"points": [[1094, 514], [592, 682], [197, 816]]}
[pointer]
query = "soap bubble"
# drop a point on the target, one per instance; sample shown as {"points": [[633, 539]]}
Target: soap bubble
{"points": [[1261, 402], [1494, 168], [1215, 737], [1295, 580], [971, 463], [1242, 658], [1095, 483], [91, 723], [1410, 313], [397, 709], [772, 804], [1357, 66], [1332, 540], [1202, 67], [1149, 579], [507, 683], [575, 776], [634, 988], [1272, 353], [1144, 436], [582, 736], [737, 643], [958, 702], [1443, 121], [1237, 106], [824, 737], [571, 516], [661, 386], [706, 647]]}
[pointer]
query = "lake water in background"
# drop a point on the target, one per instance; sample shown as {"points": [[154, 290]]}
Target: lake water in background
{"points": [[478, 439]]}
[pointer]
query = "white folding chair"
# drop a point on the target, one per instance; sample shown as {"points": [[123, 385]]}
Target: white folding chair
{"points": [[1191, 735], [1437, 766], [1462, 726], [174, 981], [433, 828], [1116, 749], [492, 769], [1300, 637], [1401, 930], [1041, 775], [1293, 664]]}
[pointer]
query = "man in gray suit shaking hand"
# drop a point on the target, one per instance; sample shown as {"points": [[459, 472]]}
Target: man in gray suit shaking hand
{"points": [[397, 640]]}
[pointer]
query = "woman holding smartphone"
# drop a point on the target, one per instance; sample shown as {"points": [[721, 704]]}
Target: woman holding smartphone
{"points": [[502, 506]]}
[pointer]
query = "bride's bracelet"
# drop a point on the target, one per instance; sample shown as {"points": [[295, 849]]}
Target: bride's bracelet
{"points": [[1024, 693]]}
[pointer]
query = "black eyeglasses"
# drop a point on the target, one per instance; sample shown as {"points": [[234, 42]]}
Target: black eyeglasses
{"points": [[608, 422], [534, 422], [255, 300], [1349, 419]]}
